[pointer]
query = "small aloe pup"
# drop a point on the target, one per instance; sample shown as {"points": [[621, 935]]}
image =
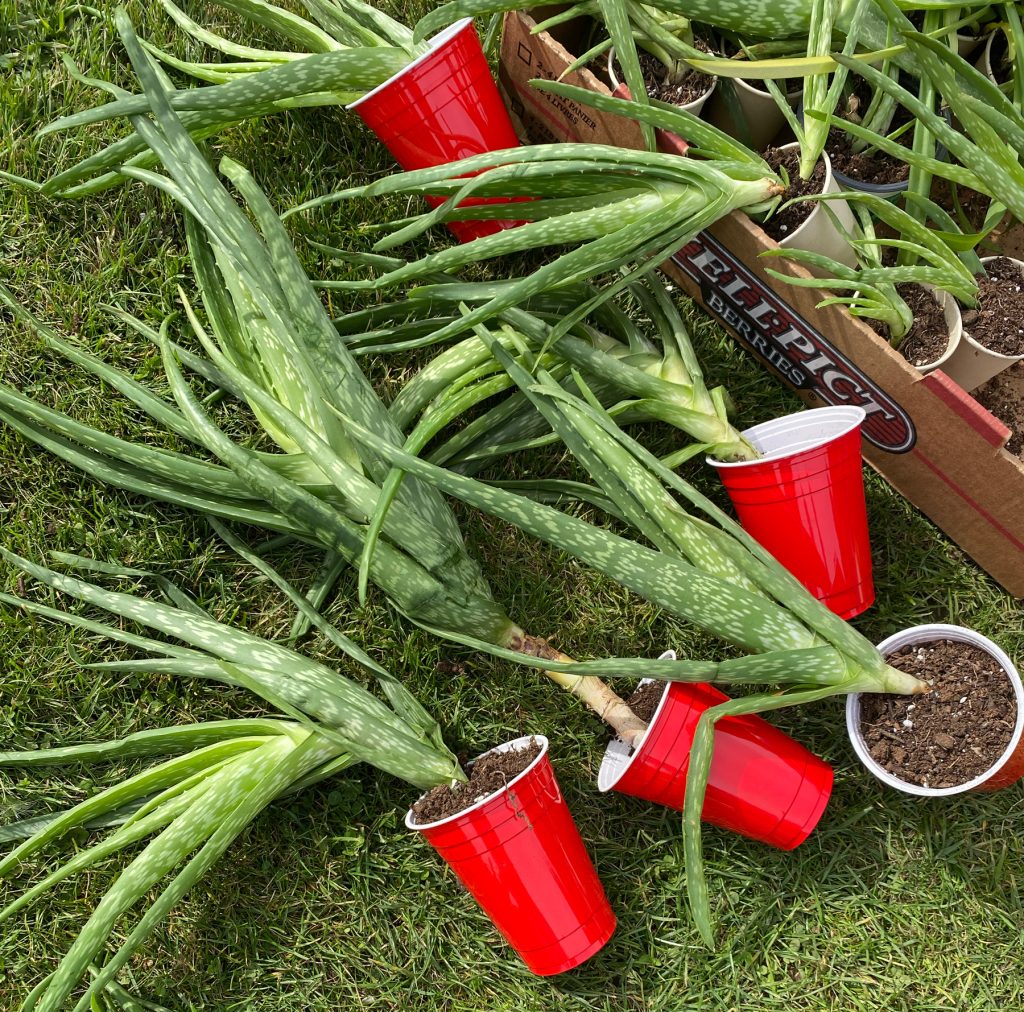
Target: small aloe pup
{"points": [[945, 261], [220, 775]]}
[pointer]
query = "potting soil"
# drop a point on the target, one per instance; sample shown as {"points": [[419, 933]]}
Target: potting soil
{"points": [[784, 223], [487, 775], [950, 735], [998, 321], [928, 336]]}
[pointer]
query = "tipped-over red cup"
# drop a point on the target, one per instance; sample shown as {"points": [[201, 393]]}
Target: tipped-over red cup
{"points": [[442, 107], [803, 500], [763, 784], [520, 855]]}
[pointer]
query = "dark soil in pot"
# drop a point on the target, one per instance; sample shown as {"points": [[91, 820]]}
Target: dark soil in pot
{"points": [[645, 700], [688, 88], [878, 168], [928, 337], [487, 775], [783, 224], [998, 322], [972, 204], [950, 735], [1004, 397]]}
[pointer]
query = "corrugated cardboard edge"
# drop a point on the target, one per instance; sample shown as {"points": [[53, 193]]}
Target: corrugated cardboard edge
{"points": [[948, 461]]}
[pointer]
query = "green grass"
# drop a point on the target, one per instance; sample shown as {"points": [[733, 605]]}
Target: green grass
{"points": [[327, 902]]}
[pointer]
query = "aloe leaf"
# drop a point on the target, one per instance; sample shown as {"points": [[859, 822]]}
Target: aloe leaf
{"points": [[696, 784], [143, 744]]}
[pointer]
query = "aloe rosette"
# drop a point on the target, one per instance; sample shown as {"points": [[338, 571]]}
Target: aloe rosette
{"points": [[946, 261]]}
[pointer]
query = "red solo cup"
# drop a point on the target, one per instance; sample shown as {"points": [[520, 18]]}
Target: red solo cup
{"points": [[442, 107], [519, 853], [803, 500], [763, 784]]}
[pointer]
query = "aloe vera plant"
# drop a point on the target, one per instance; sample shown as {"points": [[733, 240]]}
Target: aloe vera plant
{"points": [[985, 152], [215, 777], [701, 566], [758, 19], [611, 206], [641, 372], [631, 24], [870, 291], [271, 343], [347, 49]]}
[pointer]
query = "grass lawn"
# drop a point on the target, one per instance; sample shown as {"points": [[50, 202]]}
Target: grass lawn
{"points": [[326, 901]]}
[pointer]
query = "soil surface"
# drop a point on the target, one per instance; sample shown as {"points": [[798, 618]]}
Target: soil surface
{"points": [[878, 168], [783, 224], [489, 774], [953, 733], [972, 204], [645, 700], [1004, 397], [688, 88], [998, 322], [927, 338]]}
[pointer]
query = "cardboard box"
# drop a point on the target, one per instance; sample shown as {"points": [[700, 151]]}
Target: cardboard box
{"points": [[927, 436]]}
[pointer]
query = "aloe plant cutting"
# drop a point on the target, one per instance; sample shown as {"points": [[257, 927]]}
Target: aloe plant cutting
{"points": [[870, 292], [644, 373], [348, 49], [614, 207], [220, 774], [702, 568]]}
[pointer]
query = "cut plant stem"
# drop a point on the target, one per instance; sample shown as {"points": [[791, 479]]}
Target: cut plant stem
{"points": [[597, 694]]}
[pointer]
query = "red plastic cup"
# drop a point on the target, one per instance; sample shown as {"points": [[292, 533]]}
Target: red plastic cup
{"points": [[803, 500], [763, 784], [442, 107], [520, 855]]}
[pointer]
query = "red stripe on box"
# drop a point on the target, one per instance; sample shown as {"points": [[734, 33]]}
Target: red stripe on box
{"points": [[539, 106], [990, 428], [995, 524]]}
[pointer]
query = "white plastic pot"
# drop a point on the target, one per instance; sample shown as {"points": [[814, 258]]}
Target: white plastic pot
{"points": [[1010, 765], [954, 327], [693, 107], [818, 234], [763, 117], [972, 364], [966, 44]]}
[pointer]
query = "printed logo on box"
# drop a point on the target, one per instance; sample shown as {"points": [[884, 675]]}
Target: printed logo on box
{"points": [[789, 345]]}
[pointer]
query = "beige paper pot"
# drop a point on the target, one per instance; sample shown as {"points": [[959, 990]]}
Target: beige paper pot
{"points": [[954, 326], [818, 233], [1005, 772], [972, 364], [763, 117]]}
